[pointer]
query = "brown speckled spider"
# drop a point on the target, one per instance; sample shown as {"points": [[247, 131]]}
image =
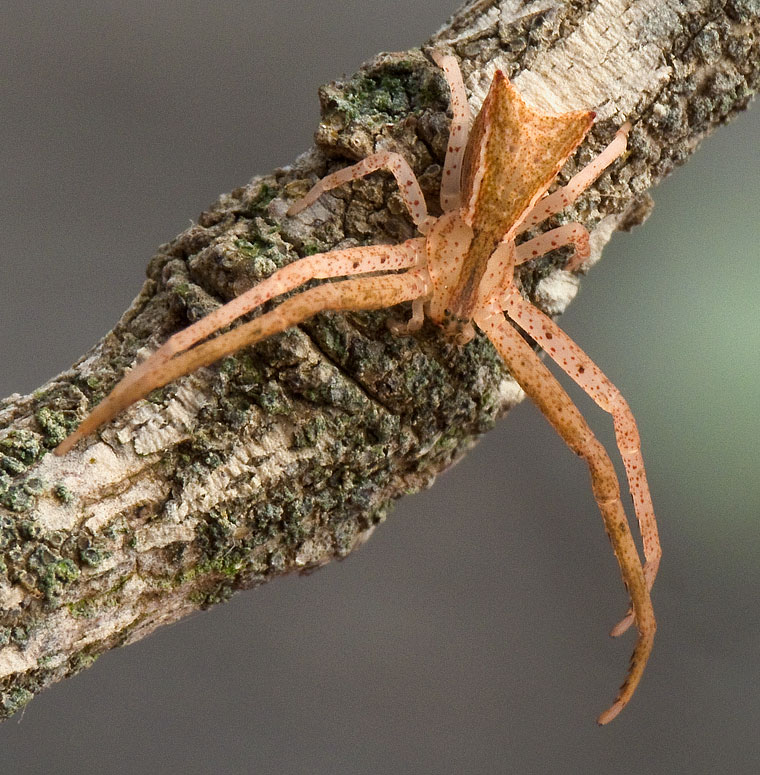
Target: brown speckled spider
{"points": [[460, 273]]}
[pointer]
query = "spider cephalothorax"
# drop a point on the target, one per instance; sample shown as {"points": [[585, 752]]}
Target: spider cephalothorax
{"points": [[460, 273]]}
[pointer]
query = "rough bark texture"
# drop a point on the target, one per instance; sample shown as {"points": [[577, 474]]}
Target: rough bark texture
{"points": [[288, 454]]}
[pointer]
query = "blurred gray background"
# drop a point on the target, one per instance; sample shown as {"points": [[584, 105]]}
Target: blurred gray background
{"points": [[469, 635]]}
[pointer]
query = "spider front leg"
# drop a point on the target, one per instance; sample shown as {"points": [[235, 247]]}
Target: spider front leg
{"points": [[565, 196], [146, 376], [544, 390], [582, 370], [356, 294], [408, 184]]}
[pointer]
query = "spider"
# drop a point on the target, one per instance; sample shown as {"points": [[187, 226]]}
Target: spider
{"points": [[460, 273]]}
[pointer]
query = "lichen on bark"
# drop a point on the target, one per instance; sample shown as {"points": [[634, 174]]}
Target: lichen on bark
{"points": [[287, 454]]}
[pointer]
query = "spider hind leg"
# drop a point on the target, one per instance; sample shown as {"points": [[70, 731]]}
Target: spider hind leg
{"points": [[397, 165], [565, 196]]}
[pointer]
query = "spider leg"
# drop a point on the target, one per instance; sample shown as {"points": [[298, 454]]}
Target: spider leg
{"points": [[451, 197], [565, 196], [544, 390], [145, 376], [570, 233], [580, 368], [355, 294], [414, 323], [408, 184]]}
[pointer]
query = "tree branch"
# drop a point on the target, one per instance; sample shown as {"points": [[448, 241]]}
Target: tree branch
{"points": [[288, 454]]}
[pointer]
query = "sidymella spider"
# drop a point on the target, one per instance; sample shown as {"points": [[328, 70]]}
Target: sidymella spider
{"points": [[460, 273]]}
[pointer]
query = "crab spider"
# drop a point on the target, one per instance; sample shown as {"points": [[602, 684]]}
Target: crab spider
{"points": [[460, 273]]}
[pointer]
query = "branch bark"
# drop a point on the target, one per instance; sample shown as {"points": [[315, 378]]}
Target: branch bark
{"points": [[287, 455]]}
